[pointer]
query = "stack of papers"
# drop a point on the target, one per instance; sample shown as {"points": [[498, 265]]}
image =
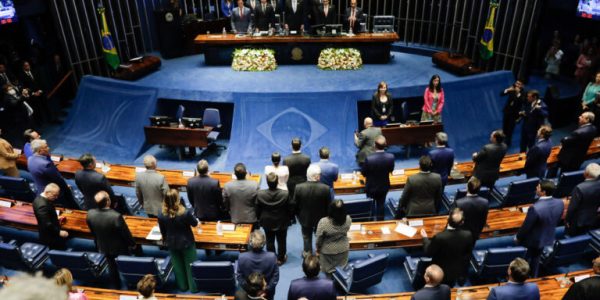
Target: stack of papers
{"points": [[140, 169], [188, 173], [405, 230], [355, 227], [398, 172], [154, 234], [385, 230]]}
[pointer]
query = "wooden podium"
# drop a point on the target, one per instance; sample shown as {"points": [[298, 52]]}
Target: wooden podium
{"points": [[139, 69]]}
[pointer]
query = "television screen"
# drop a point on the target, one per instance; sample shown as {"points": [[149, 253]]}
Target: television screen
{"points": [[589, 9], [7, 12]]}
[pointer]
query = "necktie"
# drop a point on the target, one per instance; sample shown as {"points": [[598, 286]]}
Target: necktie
{"points": [[352, 18], [241, 13], [294, 5], [4, 77], [29, 74], [325, 9], [263, 6]]}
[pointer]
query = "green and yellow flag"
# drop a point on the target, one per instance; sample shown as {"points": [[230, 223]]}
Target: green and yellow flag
{"points": [[486, 49], [110, 52]]}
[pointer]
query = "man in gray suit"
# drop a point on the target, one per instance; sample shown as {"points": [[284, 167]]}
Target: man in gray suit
{"points": [[241, 18], [365, 140], [422, 194], [239, 197], [151, 187]]}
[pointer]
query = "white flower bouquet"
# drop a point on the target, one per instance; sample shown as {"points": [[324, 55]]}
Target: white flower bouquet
{"points": [[340, 59], [254, 60]]}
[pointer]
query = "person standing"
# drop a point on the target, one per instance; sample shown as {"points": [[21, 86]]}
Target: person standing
{"points": [[442, 157], [474, 207], [537, 156], [258, 260], [241, 18], [239, 197], [574, 147], [282, 172], [8, 159], [48, 222], [582, 212], [586, 289], [274, 214], [354, 16], [514, 104], [376, 169], [205, 194], [295, 14], [534, 115], [488, 159], [590, 92], [422, 194], [311, 286], [91, 182], [433, 289], [382, 106], [175, 222], [150, 187], [516, 288], [329, 170], [297, 164], [332, 238], [433, 100], [365, 140]]}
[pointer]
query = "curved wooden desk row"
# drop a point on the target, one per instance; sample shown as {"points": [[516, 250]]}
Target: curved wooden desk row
{"points": [[125, 175], [505, 221], [21, 216]]}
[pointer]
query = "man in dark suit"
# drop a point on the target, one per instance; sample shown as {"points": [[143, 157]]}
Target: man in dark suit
{"points": [[587, 289], [295, 14], [241, 18], [252, 5], [538, 228], [534, 115], [264, 16], [310, 202], [582, 213], [442, 157], [451, 248], [474, 207], [433, 289], [422, 194], [48, 223], [365, 140], [329, 170], [297, 163], [376, 169], [488, 159], [516, 287], [111, 234], [239, 197], [258, 260], [514, 104], [44, 172], [537, 156], [5, 77], [575, 146], [326, 14], [91, 182], [354, 16], [312, 287], [30, 81], [205, 194], [277, 8]]}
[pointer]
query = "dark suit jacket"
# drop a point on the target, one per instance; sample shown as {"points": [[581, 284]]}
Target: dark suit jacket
{"points": [[487, 163], [44, 172], [241, 24], [575, 146], [585, 200], [295, 20], [443, 160], [360, 18], [535, 164], [587, 289], [111, 234], [329, 19], [513, 105], [515, 291], [48, 225], [311, 201], [475, 210], [451, 250], [206, 197], [28, 82], [376, 169], [263, 262], [422, 194], [262, 18], [177, 232], [312, 288], [542, 218], [91, 182], [273, 209], [440, 292], [366, 143], [533, 119], [277, 7], [297, 163]]}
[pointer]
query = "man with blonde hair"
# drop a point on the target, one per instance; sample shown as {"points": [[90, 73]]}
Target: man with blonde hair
{"points": [[150, 187]]}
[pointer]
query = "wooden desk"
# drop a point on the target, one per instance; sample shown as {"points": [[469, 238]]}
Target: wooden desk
{"points": [[411, 135], [21, 216], [184, 137], [105, 294], [294, 49]]}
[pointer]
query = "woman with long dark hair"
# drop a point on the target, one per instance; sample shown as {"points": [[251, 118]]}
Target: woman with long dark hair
{"points": [[332, 237], [175, 222], [382, 108], [433, 100]]}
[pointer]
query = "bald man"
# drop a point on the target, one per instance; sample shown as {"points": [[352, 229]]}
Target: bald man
{"points": [[49, 230], [588, 288], [365, 140], [433, 290]]}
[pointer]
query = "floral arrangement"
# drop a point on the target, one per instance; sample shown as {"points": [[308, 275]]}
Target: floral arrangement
{"points": [[340, 59], [254, 60]]}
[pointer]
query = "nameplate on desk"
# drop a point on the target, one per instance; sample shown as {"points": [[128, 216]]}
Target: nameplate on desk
{"points": [[347, 176], [55, 158], [128, 297], [405, 230], [140, 169], [228, 227], [154, 234], [385, 230], [6, 204], [293, 32], [377, 34], [525, 209], [355, 227], [214, 36], [17, 151], [398, 172], [581, 277], [188, 173], [415, 223], [99, 165]]}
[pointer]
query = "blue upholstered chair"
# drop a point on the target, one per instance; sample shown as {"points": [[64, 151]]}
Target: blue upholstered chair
{"points": [[179, 113], [212, 118], [214, 276], [359, 209], [565, 251], [567, 182], [516, 193], [448, 201], [16, 188], [28, 257], [134, 268], [493, 262], [392, 206], [85, 266], [415, 269], [361, 274], [595, 240]]}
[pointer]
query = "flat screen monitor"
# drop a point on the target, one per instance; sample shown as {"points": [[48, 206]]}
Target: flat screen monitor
{"points": [[333, 29], [161, 121], [8, 14], [589, 9], [192, 122]]}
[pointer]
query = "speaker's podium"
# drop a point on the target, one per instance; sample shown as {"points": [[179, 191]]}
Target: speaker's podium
{"points": [[170, 32]]}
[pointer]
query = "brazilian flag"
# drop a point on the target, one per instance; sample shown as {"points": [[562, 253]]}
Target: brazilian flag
{"points": [[486, 49], [110, 52]]}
